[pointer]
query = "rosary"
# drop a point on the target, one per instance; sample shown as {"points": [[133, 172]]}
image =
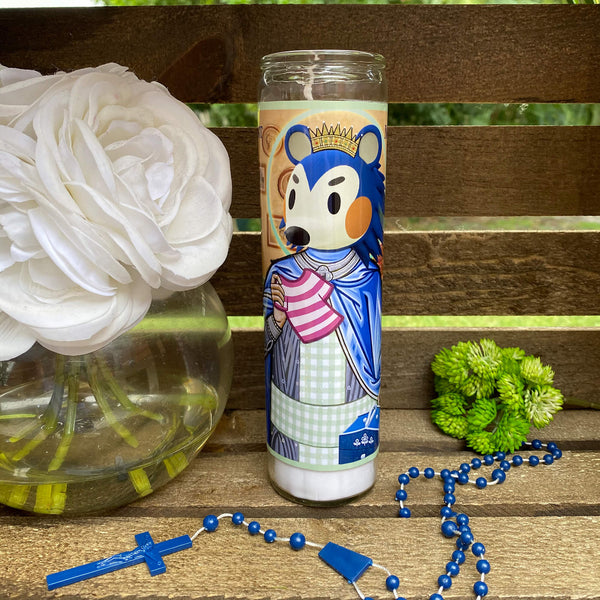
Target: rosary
{"points": [[349, 564]]}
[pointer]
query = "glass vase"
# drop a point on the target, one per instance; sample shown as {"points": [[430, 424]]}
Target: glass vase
{"points": [[79, 434]]}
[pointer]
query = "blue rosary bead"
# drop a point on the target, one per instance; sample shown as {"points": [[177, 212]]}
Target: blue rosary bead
{"points": [[445, 473], [436, 597], [481, 482], [392, 583], [447, 512], [210, 523], [413, 472], [445, 581], [534, 461], [500, 456], [536, 444], [254, 527], [429, 473], [458, 556], [476, 463], [557, 453], [499, 475], [483, 566], [449, 485], [466, 537], [551, 446], [449, 529], [297, 541], [505, 465], [237, 518], [403, 479], [480, 588], [478, 549], [517, 460], [270, 536], [488, 459], [449, 498], [463, 478], [462, 519], [452, 569], [465, 467], [548, 459], [404, 513], [401, 495], [461, 545]]}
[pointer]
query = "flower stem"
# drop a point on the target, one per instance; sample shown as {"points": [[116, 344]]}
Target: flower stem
{"points": [[111, 418], [582, 403], [69, 426], [49, 417], [120, 395]]}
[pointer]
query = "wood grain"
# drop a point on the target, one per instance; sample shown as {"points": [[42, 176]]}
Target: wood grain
{"points": [[212, 53], [536, 506], [407, 380], [407, 431], [455, 273], [462, 171], [232, 565]]}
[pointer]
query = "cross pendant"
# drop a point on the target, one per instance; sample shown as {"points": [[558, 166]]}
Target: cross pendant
{"points": [[147, 551]]}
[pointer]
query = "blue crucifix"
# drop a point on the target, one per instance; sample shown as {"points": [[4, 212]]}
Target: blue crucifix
{"points": [[147, 551]]}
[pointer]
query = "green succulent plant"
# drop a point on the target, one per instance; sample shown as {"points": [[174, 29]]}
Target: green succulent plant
{"points": [[490, 396]]}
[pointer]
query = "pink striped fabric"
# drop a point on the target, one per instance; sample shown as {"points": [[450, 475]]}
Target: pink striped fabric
{"points": [[308, 312]]}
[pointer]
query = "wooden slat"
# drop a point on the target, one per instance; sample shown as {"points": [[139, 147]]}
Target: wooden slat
{"points": [[464, 171], [407, 431], [455, 273], [212, 53], [232, 565], [407, 380], [230, 473]]}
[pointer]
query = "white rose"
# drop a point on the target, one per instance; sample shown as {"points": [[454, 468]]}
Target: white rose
{"points": [[111, 190]]}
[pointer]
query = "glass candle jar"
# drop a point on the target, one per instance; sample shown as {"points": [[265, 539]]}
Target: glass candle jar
{"points": [[322, 150]]}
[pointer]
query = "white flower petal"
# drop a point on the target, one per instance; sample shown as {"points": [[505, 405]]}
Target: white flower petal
{"points": [[110, 190], [67, 256], [200, 213], [194, 265], [14, 338]]}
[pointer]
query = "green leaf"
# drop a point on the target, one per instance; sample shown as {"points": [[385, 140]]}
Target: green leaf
{"points": [[455, 426], [541, 404], [452, 403], [510, 389], [484, 359], [535, 373], [443, 386], [481, 414], [481, 441]]}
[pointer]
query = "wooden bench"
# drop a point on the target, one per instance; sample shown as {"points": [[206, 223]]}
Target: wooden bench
{"points": [[542, 527]]}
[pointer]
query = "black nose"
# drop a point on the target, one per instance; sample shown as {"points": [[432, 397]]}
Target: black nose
{"points": [[297, 236]]}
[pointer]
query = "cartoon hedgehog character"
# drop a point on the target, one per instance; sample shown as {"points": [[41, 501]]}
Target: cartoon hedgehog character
{"points": [[322, 304]]}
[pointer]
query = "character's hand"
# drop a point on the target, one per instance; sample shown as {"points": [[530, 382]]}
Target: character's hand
{"points": [[278, 296]]}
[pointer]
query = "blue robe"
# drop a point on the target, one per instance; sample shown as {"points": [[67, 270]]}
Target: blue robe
{"points": [[356, 296]]}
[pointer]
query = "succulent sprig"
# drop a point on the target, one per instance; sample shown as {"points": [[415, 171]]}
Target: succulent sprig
{"points": [[490, 396]]}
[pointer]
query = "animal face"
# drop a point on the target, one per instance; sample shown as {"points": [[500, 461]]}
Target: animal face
{"points": [[328, 202], [328, 215]]}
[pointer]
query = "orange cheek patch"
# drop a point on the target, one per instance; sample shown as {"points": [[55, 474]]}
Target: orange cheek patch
{"points": [[358, 217]]}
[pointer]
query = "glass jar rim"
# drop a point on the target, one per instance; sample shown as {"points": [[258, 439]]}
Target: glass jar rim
{"points": [[328, 56]]}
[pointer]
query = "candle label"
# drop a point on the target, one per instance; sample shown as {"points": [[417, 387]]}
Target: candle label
{"points": [[322, 201]]}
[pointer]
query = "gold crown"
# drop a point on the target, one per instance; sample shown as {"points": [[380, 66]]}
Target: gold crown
{"points": [[334, 138]]}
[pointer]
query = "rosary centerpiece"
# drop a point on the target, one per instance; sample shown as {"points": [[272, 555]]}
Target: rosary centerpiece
{"points": [[115, 353]]}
